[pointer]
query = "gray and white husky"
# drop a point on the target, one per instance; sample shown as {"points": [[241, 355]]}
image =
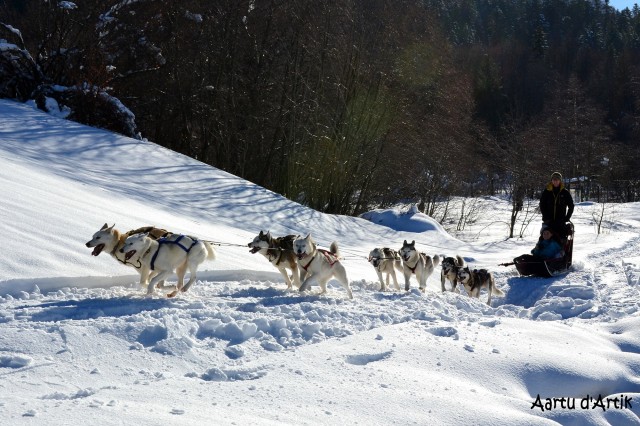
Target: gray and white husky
{"points": [[278, 251], [175, 252], [320, 265], [450, 266], [414, 262], [110, 240], [477, 279], [386, 260]]}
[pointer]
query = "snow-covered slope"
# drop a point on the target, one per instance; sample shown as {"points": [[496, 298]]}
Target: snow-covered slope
{"points": [[79, 341]]}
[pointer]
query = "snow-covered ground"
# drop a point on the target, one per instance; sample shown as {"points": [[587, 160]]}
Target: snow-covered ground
{"points": [[80, 343]]}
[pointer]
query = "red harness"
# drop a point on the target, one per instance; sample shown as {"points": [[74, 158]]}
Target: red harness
{"points": [[331, 258]]}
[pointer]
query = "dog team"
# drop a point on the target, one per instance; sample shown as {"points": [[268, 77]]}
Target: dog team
{"points": [[410, 261], [156, 253]]}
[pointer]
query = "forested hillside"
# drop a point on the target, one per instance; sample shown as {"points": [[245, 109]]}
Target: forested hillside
{"points": [[352, 104]]}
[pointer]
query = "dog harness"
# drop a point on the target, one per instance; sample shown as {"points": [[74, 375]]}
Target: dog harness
{"points": [[273, 258], [388, 255], [308, 264], [164, 240], [152, 233], [331, 258], [413, 270], [124, 261]]}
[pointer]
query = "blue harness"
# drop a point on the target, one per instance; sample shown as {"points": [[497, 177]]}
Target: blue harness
{"points": [[164, 240]]}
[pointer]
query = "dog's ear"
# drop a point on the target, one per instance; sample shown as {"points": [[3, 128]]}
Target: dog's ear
{"points": [[105, 226], [112, 227], [405, 243], [268, 234], [261, 233], [413, 242]]}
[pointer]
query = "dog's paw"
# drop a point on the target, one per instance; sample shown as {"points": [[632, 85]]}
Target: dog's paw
{"points": [[173, 293]]}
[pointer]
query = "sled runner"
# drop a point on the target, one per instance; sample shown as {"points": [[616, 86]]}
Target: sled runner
{"points": [[529, 265]]}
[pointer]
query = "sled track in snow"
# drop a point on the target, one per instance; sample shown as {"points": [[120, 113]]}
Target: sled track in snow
{"points": [[610, 282]]}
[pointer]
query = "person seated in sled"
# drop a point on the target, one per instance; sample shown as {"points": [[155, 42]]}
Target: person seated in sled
{"points": [[548, 247], [556, 205]]}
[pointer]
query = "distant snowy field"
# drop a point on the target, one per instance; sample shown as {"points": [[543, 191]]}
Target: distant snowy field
{"points": [[79, 341]]}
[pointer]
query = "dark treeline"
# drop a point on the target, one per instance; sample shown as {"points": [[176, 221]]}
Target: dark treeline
{"points": [[352, 104]]}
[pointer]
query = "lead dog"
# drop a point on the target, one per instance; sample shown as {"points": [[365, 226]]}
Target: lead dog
{"points": [[320, 265], [111, 240], [163, 256], [474, 281], [450, 266], [414, 262], [278, 251], [385, 261]]}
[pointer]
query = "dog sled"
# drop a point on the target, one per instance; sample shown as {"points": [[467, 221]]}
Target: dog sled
{"points": [[529, 265]]}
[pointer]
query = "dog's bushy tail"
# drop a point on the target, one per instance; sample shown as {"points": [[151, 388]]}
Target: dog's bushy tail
{"points": [[460, 260], [333, 248], [211, 252], [436, 260], [494, 288]]}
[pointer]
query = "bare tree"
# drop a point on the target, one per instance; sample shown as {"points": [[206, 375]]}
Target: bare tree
{"points": [[603, 215]]}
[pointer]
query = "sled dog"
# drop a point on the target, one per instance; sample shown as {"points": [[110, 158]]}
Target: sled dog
{"points": [[278, 251], [474, 281], [385, 261], [414, 262], [450, 266], [163, 256], [320, 265], [111, 240]]}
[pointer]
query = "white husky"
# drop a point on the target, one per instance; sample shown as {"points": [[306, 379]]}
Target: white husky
{"points": [[175, 252], [414, 262], [385, 261], [110, 240], [320, 265]]}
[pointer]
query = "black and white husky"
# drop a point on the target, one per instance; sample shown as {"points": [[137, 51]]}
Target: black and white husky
{"points": [[385, 261], [320, 265], [474, 281], [278, 251], [450, 266], [414, 262]]}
